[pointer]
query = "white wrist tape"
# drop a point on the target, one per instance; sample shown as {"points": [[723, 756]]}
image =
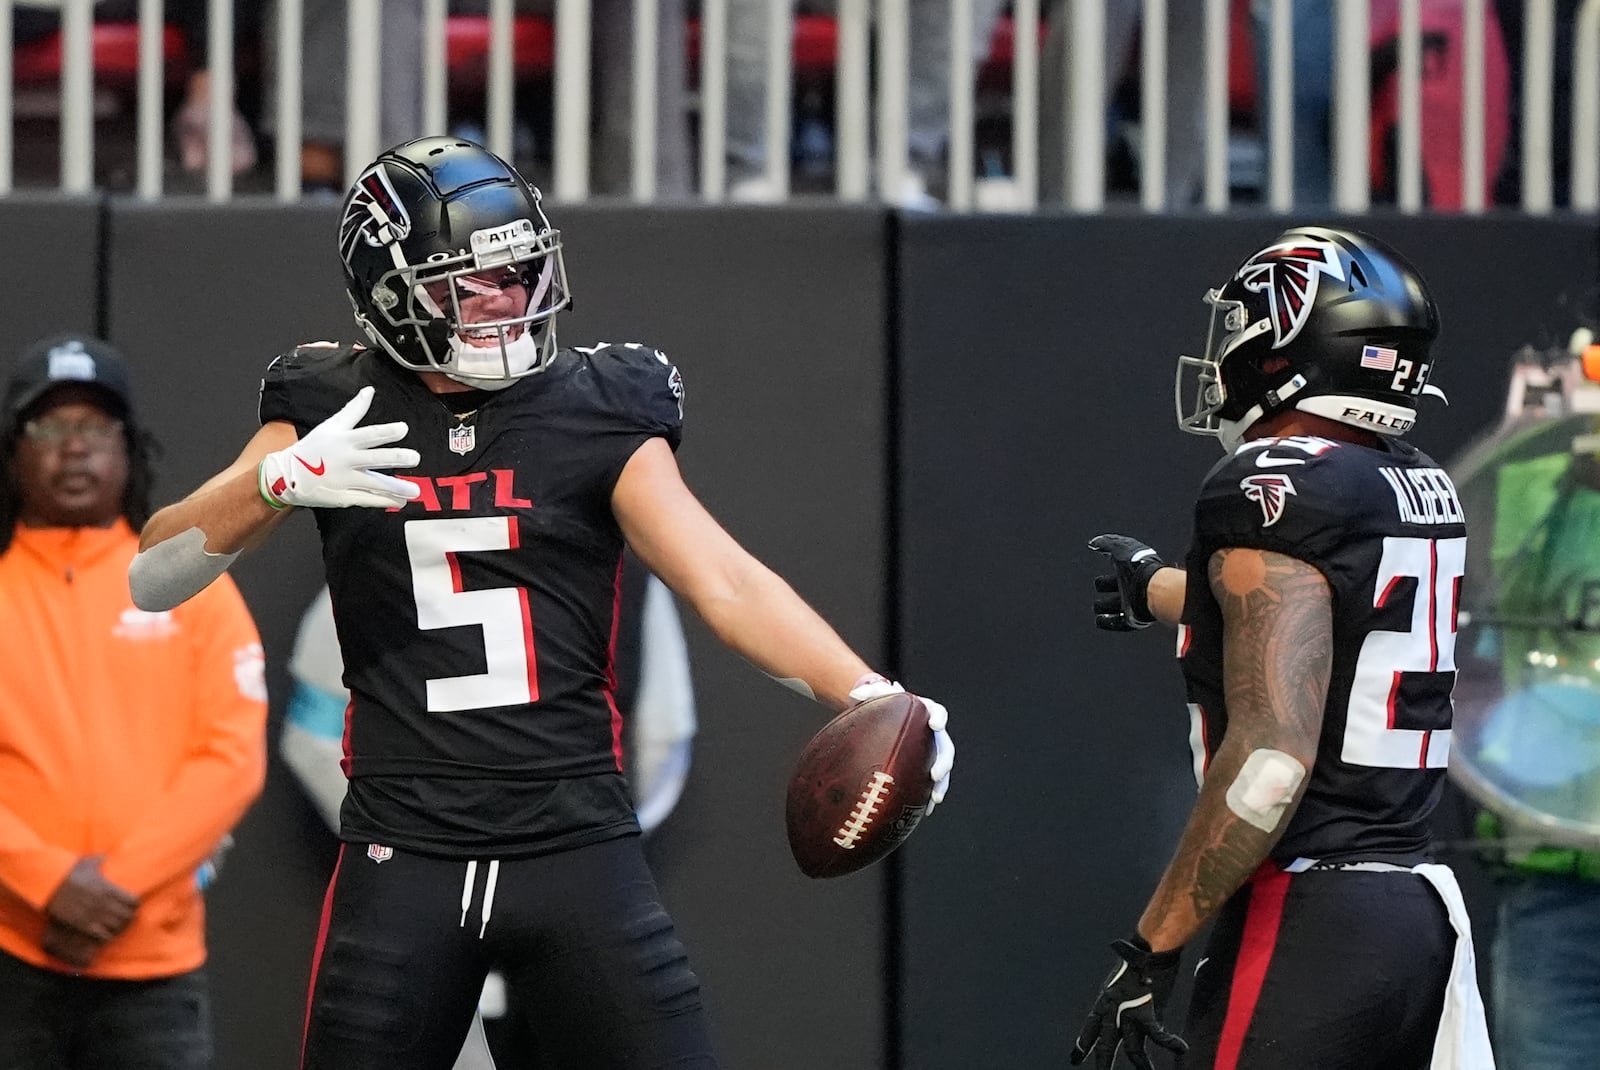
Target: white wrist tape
{"points": [[1265, 787], [174, 570]]}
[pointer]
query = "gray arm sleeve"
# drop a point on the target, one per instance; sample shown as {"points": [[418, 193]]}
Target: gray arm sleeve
{"points": [[173, 571]]}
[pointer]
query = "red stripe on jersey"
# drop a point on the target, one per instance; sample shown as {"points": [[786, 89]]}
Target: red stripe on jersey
{"points": [[1388, 589], [1455, 602], [1205, 745], [1433, 606], [514, 539], [611, 666], [316, 956], [528, 644], [455, 570], [344, 743], [1394, 695], [1422, 756], [1261, 923]]}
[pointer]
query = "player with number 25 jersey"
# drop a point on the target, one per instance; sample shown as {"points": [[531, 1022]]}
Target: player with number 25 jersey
{"points": [[1385, 530], [1316, 630]]}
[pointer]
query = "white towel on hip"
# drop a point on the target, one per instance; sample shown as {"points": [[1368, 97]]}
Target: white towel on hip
{"points": [[1462, 1042], [475, 1054]]}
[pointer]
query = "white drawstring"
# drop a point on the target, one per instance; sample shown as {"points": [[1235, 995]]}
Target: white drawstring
{"points": [[466, 892], [488, 895]]}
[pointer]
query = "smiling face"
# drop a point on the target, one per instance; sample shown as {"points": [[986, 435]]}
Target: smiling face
{"points": [[484, 297], [71, 460]]}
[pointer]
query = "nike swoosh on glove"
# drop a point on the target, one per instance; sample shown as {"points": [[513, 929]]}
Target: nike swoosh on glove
{"points": [[1127, 1011], [1121, 599], [332, 467], [944, 748]]}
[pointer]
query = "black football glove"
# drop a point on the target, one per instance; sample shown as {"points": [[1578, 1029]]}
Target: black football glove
{"points": [[1127, 1012], [1121, 599]]}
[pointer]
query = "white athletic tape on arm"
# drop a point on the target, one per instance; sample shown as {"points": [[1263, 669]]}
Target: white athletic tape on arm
{"points": [[1264, 788], [174, 570]]}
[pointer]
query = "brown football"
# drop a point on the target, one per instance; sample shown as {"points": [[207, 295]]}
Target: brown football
{"points": [[860, 786]]}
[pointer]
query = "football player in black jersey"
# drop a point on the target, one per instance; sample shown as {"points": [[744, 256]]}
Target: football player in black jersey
{"points": [[487, 822], [1316, 630]]}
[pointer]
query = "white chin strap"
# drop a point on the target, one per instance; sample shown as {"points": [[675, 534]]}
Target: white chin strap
{"points": [[1231, 432], [483, 367]]}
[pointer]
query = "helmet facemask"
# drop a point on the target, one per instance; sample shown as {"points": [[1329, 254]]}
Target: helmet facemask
{"points": [[1201, 392], [427, 299]]}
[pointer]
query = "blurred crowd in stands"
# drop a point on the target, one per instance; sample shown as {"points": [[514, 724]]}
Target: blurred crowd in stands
{"points": [[811, 135]]}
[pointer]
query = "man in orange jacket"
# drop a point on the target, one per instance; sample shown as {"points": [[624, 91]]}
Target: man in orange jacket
{"points": [[130, 742]]}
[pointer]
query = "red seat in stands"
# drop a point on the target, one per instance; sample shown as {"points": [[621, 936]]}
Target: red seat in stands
{"points": [[115, 47], [533, 49]]}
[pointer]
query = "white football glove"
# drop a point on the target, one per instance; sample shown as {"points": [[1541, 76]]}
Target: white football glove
{"points": [[944, 748], [332, 467]]}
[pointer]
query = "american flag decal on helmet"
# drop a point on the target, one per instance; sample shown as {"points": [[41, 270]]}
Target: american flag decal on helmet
{"points": [[1270, 491], [1288, 274], [374, 213]]}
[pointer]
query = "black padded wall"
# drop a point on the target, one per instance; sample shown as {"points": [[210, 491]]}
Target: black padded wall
{"points": [[50, 271]]}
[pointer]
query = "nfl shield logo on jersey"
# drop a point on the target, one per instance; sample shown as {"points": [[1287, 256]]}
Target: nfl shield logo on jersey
{"points": [[463, 439], [379, 853]]}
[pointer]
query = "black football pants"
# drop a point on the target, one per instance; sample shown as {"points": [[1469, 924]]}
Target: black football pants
{"points": [[581, 937], [1323, 970]]}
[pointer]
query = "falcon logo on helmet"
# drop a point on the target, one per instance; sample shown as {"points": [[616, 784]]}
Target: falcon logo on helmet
{"points": [[1271, 492], [373, 213], [1289, 274]]}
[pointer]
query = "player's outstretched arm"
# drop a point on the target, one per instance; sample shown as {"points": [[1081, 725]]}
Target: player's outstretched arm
{"points": [[189, 544], [747, 605], [1277, 615], [1166, 594], [1140, 589]]}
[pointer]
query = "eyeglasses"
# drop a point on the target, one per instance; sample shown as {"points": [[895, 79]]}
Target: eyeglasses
{"points": [[48, 432]]}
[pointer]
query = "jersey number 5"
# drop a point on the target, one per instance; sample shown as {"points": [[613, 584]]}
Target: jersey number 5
{"points": [[510, 676], [1370, 737]]}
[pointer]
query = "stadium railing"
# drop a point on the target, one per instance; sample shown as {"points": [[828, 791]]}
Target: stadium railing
{"points": [[494, 51]]}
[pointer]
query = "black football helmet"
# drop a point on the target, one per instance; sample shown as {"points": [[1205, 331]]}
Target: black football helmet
{"points": [[1330, 322], [440, 210]]}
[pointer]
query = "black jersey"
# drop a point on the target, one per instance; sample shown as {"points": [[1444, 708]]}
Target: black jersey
{"points": [[478, 621], [1385, 527]]}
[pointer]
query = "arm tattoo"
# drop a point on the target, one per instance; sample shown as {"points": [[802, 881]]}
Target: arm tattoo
{"points": [[1277, 658]]}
